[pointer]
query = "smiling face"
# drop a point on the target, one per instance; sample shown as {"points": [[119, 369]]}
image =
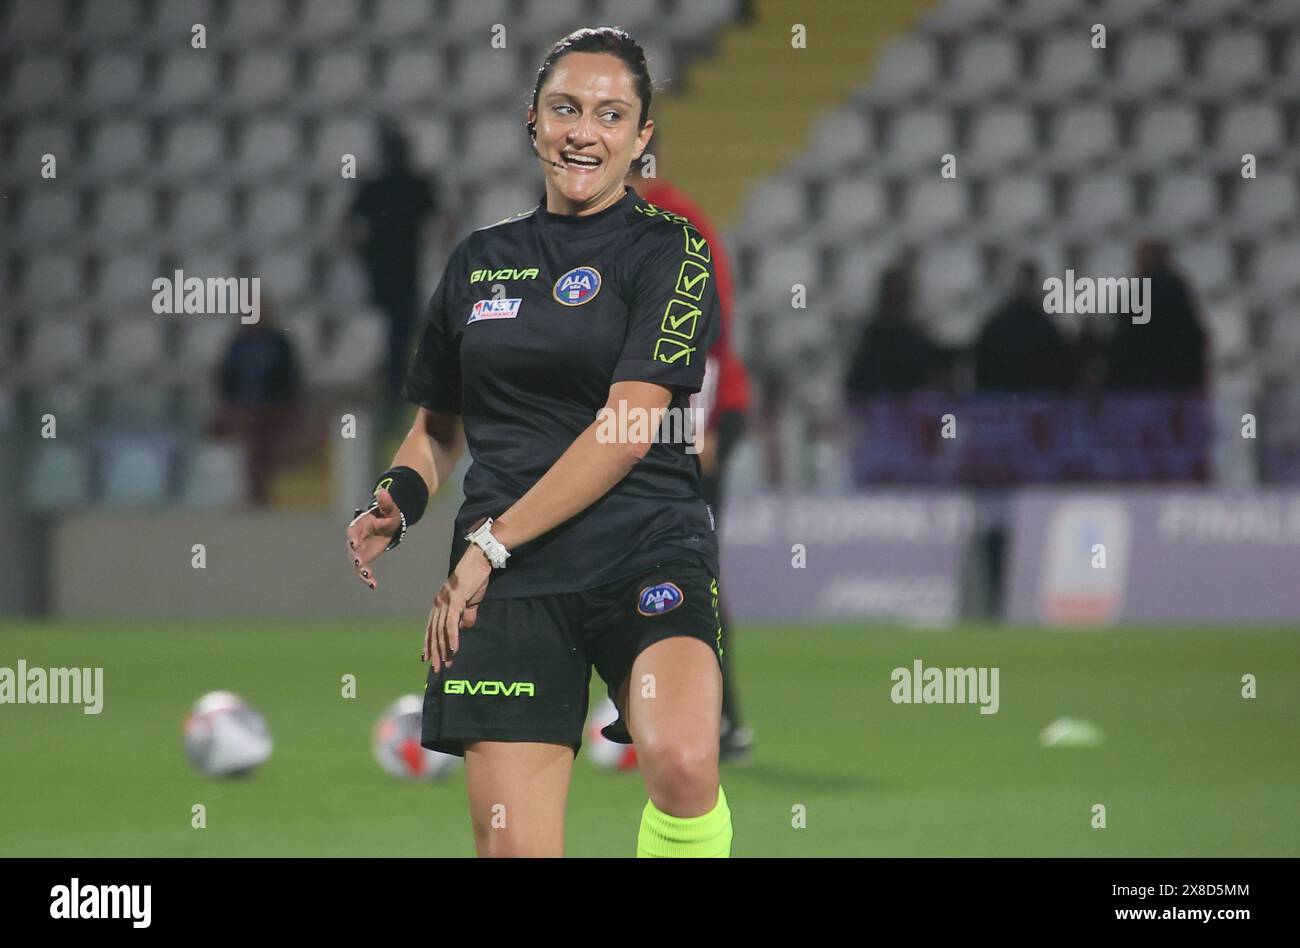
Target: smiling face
{"points": [[587, 114]]}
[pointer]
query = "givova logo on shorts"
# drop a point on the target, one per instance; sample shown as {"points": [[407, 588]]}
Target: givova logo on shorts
{"points": [[503, 689], [682, 315]]}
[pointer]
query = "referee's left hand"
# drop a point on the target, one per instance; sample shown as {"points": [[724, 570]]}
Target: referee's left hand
{"points": [[455, 608]]}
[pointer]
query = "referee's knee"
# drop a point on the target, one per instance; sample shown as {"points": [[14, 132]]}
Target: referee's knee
{"points": [[682, 776]]}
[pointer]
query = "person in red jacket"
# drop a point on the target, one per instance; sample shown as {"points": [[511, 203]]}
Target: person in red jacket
{"points": [[722, 403]]}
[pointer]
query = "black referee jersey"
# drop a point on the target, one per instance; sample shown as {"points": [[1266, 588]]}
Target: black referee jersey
{"points": [[534, 318]]}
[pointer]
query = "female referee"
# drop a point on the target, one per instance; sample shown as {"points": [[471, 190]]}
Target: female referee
{"points": [[582, 542]]}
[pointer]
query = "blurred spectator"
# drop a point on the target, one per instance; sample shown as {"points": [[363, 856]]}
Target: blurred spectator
{"points": [[1020, 349], [385, 224], [1168, 353], [893, 356], [260, 387]]}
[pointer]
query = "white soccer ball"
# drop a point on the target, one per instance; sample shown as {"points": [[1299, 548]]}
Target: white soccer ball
{"points": [[396, 742], [224, 737], [606, 753]]}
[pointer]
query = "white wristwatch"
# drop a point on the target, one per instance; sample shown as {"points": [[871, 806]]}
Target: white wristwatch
{"points": [[492, 548]]}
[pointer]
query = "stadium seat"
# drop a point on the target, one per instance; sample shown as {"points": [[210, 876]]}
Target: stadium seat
{"points": [[908, 67], [933, 205], [962, 16], [111, 80], [174, 20], [852, 207], [285, 274], [412, 75], [255, 19], [635, 16], [131, 348], [106, 21], [51, 279], [200, 214], [346, 135], [984, 66], [305, 330], [1229, 330], [59, 476], [1123, 14], [399, 20], [55, 348], [1097, 202], [39, 81], [72, 403], [118, 147], [1232, 62], [187, 78], [774, 206], [125, 283], [124, 215], [266, 146], [216, 475], [202, 343], [918, 138], [1000, 136], [545, 23], [192, 147], [338, 77], [1275, 273], [779, 268], [48, 215], [1202, 13], [358, 350], [945, 273], [39, 138], [1164, 135], [29, 24], [322, 20], [1067, 66], [1148, 62], [840, 139], [700, 18], [471, 21], [1256, 128], [1183, 201], [498, 202], [1264, 202], [1111, 258], [1017, 204], [857, 269], [136, 471], [1207, 263], [487, 76], [494, 144], [261, 77], [1080, 135], [138, 407]]}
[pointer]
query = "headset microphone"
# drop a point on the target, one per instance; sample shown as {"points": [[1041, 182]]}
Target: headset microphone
{"points": [[532, 139]]}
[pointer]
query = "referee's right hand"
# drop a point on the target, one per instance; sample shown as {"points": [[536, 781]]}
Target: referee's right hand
{"points": [[369, 535]]}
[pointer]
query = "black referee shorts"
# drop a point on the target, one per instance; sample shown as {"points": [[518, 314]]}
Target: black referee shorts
{"points": [[523, 671]]}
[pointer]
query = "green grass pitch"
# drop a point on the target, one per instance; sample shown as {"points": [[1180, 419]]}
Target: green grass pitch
{"points": [[1188, 767]]}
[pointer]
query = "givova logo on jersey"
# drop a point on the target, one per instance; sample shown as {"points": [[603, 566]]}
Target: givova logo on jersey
{"points": [[580, 285]]}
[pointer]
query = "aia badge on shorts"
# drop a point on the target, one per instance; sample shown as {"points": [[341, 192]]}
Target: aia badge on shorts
{"points": [[580, 285], [656, 600]]}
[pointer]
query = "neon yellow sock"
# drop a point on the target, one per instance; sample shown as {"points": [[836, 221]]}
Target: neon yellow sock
{"points": [[662, 835]]}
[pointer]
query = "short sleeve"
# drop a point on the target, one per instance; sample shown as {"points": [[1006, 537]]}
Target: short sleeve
{"points": [[433, 381], [673, 309]]}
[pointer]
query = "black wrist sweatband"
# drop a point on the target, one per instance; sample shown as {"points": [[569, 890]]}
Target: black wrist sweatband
{"points": [[409, 493]]}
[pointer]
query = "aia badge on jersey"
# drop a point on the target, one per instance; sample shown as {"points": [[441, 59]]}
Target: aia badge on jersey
{"points": [[494, 309], [658, 599], [580, 285]]}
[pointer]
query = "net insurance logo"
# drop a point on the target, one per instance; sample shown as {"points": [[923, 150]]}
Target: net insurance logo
{"points": [[580, 285]]}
